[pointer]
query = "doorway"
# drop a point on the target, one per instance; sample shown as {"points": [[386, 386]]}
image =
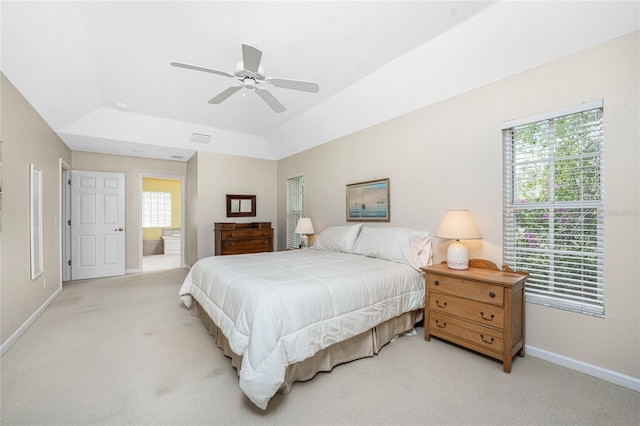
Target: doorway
{"points": [[161, 222]]}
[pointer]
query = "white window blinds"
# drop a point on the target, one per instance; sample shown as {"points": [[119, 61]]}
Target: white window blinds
{"points": [[156, 209], [295, 209], [553, 207]]}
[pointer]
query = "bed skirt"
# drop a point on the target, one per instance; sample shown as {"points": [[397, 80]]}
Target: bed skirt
{"points": [[363, 345]]}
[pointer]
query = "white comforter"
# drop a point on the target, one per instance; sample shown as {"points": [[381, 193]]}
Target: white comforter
{"points": [[280, 308]]}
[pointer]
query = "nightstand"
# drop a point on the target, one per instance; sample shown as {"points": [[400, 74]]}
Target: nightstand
{"points": [[481, 308]]}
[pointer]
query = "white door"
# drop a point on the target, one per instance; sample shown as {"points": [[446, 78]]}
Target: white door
{"points": [[97, 224]]}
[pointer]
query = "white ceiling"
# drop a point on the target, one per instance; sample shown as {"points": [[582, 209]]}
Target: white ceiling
{"points": [[374, 60]]}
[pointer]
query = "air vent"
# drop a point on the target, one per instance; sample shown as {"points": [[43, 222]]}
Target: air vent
{"points": [[177, 157], [200, 138]]}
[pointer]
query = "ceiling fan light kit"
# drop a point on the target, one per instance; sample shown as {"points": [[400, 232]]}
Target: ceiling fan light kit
{"points": [[251, 75]]}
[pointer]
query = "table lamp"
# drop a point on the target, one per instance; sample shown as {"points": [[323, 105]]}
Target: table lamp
{"points": [[304, 227], [458, 224]]}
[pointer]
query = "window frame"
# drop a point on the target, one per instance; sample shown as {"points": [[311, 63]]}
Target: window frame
{"points": [[568, 284], [295, 210]]}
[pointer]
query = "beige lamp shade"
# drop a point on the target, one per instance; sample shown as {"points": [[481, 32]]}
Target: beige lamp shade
{"points": [[458, 224], [304, 227]]}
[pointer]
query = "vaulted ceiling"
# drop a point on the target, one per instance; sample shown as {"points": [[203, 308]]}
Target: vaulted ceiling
{"points": [[99, 72]]}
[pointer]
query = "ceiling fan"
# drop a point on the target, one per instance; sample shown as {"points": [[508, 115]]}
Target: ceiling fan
{"points": [[251, 75]]}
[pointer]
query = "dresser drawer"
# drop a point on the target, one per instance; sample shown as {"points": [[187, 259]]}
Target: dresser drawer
{"points": [[485, 337], [247, 246], [487, 293], [245, 234], [479, 312]]}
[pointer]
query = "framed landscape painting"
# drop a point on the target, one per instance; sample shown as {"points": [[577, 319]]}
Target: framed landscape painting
{"points": [[368, 201]]}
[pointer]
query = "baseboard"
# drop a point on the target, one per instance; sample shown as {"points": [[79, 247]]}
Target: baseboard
{"points": [[629, 382], [132, 271], [34, 316]]}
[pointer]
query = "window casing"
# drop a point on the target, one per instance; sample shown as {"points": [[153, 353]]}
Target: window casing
{"points": [[156, 209], [295, 209], [553, 206]]}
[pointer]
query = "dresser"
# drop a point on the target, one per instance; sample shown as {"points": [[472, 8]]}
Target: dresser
{"points": [[481, 308], [240, 238]]}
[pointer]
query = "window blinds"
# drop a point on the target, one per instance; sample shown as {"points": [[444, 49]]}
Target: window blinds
{"points": [[295, 209], [553, 207]]}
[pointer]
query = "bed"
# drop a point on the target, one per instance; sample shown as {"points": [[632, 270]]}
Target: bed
{"points": [[284, 316]]}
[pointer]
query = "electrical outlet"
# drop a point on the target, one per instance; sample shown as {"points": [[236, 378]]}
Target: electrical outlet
{"points": [[45, 283]]}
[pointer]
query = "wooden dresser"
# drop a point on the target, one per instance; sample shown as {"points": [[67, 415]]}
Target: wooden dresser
{"points": [[481, 308], [240, 238]]}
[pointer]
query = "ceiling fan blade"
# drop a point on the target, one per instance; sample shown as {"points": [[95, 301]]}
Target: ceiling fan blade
{"points": [[305, 86], [275, 104], [198, 68], [251, 57], [224, 94]]}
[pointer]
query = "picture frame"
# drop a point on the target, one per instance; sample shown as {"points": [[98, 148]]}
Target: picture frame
{"points": [[241, 205], [368, 201]]}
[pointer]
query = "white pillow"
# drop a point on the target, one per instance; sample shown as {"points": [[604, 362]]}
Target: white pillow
{"points": [[396, 244], [337, 238]]}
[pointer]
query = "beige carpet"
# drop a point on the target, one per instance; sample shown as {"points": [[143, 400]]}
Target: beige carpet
{"points": [[125, 351]]}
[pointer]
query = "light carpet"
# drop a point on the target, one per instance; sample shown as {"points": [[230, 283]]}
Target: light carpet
{"points": [[124, 351]]}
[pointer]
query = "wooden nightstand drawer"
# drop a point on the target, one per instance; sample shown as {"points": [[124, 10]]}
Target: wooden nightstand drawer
{"points": [[470, 309], [485, 337], [469, 289]]}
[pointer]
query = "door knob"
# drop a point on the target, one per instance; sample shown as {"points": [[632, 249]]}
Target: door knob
{"points": [[119, 229]]}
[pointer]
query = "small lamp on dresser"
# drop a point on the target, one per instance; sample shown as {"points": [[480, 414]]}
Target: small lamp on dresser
{"points": [[457, 225], [304, 227]]}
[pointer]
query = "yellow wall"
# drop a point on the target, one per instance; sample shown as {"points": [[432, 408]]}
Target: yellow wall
{"points": [[163, 185]]}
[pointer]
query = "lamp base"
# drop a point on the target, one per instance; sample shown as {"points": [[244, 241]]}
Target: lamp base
{"points": [[304, 241], [457, 256]]}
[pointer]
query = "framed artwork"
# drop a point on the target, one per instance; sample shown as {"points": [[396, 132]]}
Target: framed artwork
{"points": [[368, 201], [241, 205]]}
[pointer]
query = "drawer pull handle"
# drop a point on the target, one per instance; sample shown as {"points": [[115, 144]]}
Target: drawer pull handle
{"points": [[490, 342], [492, 294], [439, 305], [444, 324], [486, 318], [436, 282], [230, 235]]}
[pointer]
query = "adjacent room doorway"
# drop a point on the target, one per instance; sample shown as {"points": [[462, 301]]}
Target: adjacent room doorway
{"points": [[161, 222]]}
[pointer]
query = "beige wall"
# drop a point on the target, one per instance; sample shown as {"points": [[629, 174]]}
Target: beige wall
{"points": [[449, 155], [191, 200], [133, 168], [218, 175], [27, 139]]}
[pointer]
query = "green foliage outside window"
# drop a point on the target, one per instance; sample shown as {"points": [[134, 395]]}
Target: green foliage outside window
{"points": [[553, 200]]}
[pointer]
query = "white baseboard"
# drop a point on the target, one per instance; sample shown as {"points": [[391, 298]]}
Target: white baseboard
{"points": [[132, 271], [629, 382], [34, 316]]}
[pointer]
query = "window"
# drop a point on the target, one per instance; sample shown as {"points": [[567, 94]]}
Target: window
{"points": [[553, 206], [156, 209], [295, 208]]}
